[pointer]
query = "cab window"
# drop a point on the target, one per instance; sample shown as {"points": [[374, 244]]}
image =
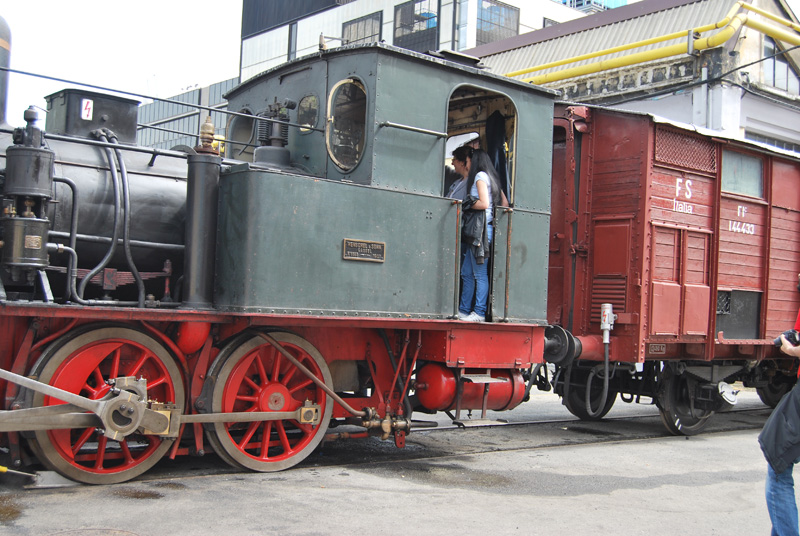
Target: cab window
{"points": [[345, 131]]}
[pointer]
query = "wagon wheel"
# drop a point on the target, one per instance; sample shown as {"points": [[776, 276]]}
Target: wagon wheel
{"points": [[575, 400], [772, 393], [779, 385], [82, 362], [251, 375], [675, 405]]}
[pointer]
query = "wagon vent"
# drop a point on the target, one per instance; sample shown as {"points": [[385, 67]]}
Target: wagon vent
{"points": [[608, 290], [685, 151]]}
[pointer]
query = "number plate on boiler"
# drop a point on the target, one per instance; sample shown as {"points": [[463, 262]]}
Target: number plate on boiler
{"points": [[363, 250]]}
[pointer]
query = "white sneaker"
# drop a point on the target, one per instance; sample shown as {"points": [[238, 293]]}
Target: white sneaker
{"points": [[475, 317], [462, 316]]}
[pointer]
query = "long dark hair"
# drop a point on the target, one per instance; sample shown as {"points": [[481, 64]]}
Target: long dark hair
{"points": [[482, 162]]}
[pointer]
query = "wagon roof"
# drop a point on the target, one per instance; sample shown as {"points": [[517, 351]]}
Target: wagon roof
{"points": [[756, 145]]}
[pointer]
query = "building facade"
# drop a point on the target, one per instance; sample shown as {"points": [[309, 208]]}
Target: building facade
{"points": [[164, 125], [715, 64], [273, 33]]}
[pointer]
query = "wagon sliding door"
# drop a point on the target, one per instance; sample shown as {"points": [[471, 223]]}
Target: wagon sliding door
{"points": [[742, 240]]}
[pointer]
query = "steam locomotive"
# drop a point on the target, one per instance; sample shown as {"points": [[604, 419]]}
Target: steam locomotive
{"points": [[162, 303]]}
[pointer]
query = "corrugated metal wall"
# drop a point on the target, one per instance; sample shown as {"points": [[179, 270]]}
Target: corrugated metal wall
{"points": [[611, 35]]}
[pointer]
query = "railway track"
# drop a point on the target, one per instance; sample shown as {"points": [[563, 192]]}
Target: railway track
{"points": [[451, 441]]}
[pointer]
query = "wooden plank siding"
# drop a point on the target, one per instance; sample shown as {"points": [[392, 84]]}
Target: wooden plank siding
{"points": [[784, 247], [742, 240]]}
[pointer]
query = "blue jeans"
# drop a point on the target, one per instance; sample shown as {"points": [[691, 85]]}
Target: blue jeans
{"points": [[781, 502], [474, 283]]}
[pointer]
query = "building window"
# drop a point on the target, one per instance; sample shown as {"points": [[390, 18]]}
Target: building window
{"points": [[416, 25], [742, 174], [496, 21], [292, 41], [777, 71], [363, 30], [460, 23], [775, 142], [546, 23]]}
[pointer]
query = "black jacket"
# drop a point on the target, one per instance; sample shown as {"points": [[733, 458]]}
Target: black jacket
{"points": [[473, 230], [780, 438]]}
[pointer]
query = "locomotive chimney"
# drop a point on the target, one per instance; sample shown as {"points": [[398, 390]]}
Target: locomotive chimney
{"points": [[5, 61]]}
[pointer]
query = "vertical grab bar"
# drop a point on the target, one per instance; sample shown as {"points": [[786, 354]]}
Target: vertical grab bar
{"points": [[507, 212], [457, 271]]}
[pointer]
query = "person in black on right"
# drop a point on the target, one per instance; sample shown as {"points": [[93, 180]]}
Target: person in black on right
{"points": [[780, 443]]}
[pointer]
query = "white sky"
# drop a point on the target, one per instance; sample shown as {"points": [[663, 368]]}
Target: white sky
{"points": [[151, 47], [144, 46]]}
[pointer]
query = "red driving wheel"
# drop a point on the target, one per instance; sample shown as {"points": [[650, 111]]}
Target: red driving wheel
{"points": [[251, 375], [82, 363]]}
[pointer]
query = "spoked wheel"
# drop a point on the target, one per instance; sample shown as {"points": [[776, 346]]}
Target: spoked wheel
{"points": [[251, 375], [675, 405], [82, 363], [575, 399]]}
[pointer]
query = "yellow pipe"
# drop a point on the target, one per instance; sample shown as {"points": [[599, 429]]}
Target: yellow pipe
{"points": [[639, 57], [731, 24], [721, 37], [772, 17], [660, 53], [637, 44], [620, 48], [772, 31]]}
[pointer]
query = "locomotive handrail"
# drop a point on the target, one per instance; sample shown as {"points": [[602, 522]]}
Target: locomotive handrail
{"points": [[142, 95], [133, 148], [457, 270], [507, 211], [106, 240], [413, 129]]}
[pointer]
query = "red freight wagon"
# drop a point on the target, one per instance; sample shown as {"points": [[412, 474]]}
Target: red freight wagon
{"points": [[693, 241]]}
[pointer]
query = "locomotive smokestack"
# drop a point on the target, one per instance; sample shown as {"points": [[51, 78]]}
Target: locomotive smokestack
{"points": [[5, 61]]}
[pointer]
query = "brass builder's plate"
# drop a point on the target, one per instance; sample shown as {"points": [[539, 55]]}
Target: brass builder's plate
{"points": [[363, 250]]}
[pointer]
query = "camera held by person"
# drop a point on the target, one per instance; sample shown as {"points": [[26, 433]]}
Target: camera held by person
{"points": [[791, 335]]}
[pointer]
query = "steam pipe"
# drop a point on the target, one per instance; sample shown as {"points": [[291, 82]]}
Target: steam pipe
{"points": [[115, 235], [126, 222], [73, 225]]}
